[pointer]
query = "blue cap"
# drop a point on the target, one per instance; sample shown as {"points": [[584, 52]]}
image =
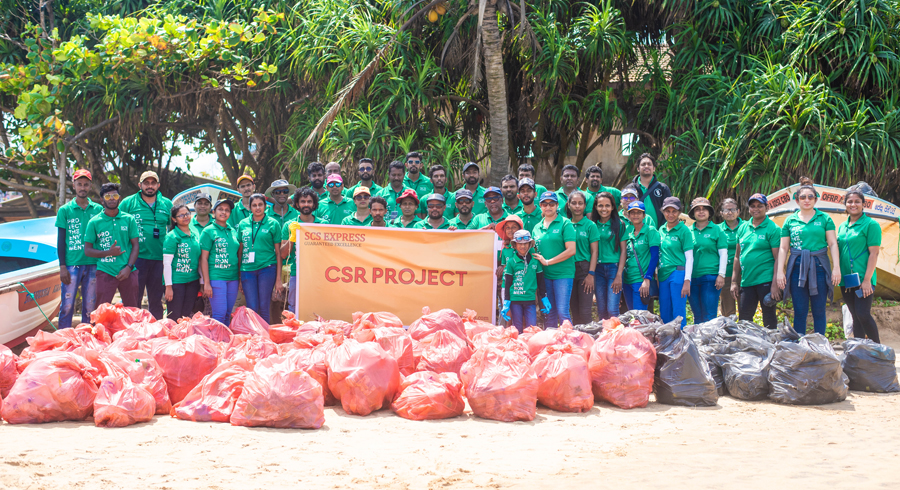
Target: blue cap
{"points": [[463, 194], [758, 197], [549, 196], [637, 205], [494, 189]]}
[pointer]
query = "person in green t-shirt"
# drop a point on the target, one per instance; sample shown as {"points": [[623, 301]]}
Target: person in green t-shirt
{"points": [[652, 191], [529, 212], [438, 176], [202, 217], [280, 193], [394, 189], [335, 207], [505, 231], [729, 210], [181, 265], [75, 268], [246, 187], [315, 172], [260, 238], [859, 239], [306, 200], [676, 261], [710, 261], [554, 237], [642, 249], [526, 171], [753, 276], [494, 212], [523, 282], [630, 194], [362, 216], [415, 180], [409, 203], [365, 172], [472, 177], [113, 237], [377, 211], [610, 256], [586, 249], [220, 262], [808, 236], [594, 176], [436, 205], [464, 205], [509, 186]]}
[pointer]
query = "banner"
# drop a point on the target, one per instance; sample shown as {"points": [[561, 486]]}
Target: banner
{"points": [[344, 269]]}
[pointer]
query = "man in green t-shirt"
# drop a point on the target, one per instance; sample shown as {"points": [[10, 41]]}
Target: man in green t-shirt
{"points": [[113, 237], [202, 218], [315, 172], [75, 268], [464, 204], [526, 171], [306, 200], [509, 186], [152, 213], [365, 171], [335, 207], [280, 193], [241, 211], [529, 212], [435, 204], [415, 180], [472, 175], [438, 176], [494, 214], [595, 185], [653, 192], [394, 189]]}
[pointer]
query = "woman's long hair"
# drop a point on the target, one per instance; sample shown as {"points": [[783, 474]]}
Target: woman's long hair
{"points": [[614, 221]]}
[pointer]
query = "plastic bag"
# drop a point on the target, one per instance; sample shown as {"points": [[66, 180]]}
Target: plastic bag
{"points": [[622, 363], [120, 403], [430, 323], [806, 373], [745, 367], [362, 376], [564, 381], [443, 352], [277, 394], [118, 317], [8, 370], [248, 322], [184, 362], [503, 339], [374, 320], [398, 344], [473, 326], [213, 399], [500, 385], [143, 370], [427, 395], [252, 347], [682, 376], [638, 317], [200, 324], [55, 387], [870, 366], [527, 333], [144, 331], [331, 327], [593, 329], [581, 342], [312, 362]]}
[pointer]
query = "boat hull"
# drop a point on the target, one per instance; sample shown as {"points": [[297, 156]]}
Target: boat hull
{"points": [[24, 315]]}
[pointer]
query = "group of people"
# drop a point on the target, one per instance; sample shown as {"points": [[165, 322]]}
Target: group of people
{"points": [[562, 251]]}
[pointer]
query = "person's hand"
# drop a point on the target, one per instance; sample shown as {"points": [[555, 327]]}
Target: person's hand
{"points": [[617, 284], [546, 302], [775, 291], [452, 228], [64, 275], [207, 290], [500, 269], [867, 289], [504, 313], [645, 288], [279, 287], [780, 280], [588, 283], [735, 291], [115, 250], [835, 277], [686, 289], [169, 293], [720, 282], [123, 274], [542, 260]]}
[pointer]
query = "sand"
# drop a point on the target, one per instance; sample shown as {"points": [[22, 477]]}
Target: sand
{"points": [[737, 444]]}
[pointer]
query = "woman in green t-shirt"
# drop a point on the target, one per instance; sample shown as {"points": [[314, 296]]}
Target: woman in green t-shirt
{"points": [[808, 236], [554, 237], [586, 238], [710, 261], [676, 260], [610, 256], [260, 237], [642, 248], [220, 255], [181, 258], [859, 239], [730, 212]]}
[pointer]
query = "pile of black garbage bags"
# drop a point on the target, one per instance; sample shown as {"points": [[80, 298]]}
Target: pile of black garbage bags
{"points": [[733, 357]]}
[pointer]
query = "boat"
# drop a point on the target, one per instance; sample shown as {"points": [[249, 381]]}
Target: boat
{"points": [[187, 197], [28, 264], [831, 201]]}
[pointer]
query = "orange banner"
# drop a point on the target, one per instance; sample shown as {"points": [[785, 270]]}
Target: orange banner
{"points": [[344, 269]]}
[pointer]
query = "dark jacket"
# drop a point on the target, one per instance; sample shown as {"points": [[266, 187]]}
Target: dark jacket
{"points": [[657, 191]]}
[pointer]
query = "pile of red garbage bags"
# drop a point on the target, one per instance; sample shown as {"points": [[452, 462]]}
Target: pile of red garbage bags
{"points": [[127, 367]]}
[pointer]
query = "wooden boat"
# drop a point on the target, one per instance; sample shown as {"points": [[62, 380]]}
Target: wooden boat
{"points": [[28, 262], [831, 201], [187, 197]]}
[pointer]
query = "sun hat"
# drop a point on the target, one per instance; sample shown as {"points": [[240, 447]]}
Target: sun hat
{"points": [[500, 227], [521, 236], [279, 184], [700, 202]]}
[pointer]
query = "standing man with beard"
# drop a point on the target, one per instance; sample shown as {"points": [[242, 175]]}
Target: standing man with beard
{"points": [[652, 191], [530, 213], [365, 171], [281, 211], [569, 180], [472, 174], [201, 219], [509, 186], [75, 268], [306, 201], [247, 188], [526, 171], [336, 207], [113, 237], [436, 220], [438, 175], [394, 189], [415, 180], [464, 206], [595, 186], [151, 212], [316, 174]]}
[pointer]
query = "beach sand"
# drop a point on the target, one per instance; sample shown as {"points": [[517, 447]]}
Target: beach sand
{"points": [[737, 444]]}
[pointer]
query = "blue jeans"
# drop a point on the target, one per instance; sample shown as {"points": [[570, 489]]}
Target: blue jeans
{"points": [[223, 298], [523, 315], [671, 304], [607, 300], [84, 276], [559, 292], [292, 293], [704, 298], [258, 286], [633, 296], [803, 301]]}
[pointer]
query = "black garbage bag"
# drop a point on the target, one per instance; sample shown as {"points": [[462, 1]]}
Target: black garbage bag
{"points": [[870, 366], [642, 317], [649, 331], [745, 367], [806, 373], [784, 332], [593, 329], [682, 375], [704, 333], [708, 353], [732, 330]]}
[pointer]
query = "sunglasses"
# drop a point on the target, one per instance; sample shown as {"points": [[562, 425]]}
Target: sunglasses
{"points": [[280, 192], [111, 196], [335, 184], [629, 197], [414, 161], [361, 197], [806, 197], [492, 199], [436, 206], [729, 211], [522, 239], [365, 169]]}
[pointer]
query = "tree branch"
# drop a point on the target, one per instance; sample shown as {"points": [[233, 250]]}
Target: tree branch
{"points": [[29, 173], [13, 185], [457, 98], [70, 141]]}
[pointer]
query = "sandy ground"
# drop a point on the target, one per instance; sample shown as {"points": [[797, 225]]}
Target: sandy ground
{"points": [[853, 444]]}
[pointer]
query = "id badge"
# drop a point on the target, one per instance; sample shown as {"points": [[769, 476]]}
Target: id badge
{"points": [[251, 257], [156, 233]]}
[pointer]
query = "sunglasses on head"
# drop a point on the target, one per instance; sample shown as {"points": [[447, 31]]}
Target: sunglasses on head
{"points": [[334, 184]]}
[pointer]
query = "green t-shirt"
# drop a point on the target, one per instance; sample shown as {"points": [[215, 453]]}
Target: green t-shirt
{"points": [[197, 228], [524, 282], [530, 219], [222, 245], [422, 186], [564, 198], [586, 233], [551, 241], [707, 243], [334, 213], [638, 247], [398, 222], [672, 246], [74, 220], [485, 219], [389, 195], [854, 241], [648, 204], [506, 253], [286, 236], [731, 237], [512, 210], [103, 230], [186, 251], [352, 220], [627, 223], [458, 223], [289, 216], [426, 225], [259, 238], [374, 189], [607, 248], [238, 214], [149, 218], [757, 260], [616, 194], [807, 236], [478, 205]]}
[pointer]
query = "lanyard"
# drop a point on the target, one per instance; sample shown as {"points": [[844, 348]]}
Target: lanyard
{"points": [[152, 209], [254, 234]]}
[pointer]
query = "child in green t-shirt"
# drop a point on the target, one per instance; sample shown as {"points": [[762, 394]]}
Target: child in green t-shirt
{"points": [[522, 280]]}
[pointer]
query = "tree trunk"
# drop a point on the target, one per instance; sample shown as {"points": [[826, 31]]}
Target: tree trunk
{"points": [[496, 88]]}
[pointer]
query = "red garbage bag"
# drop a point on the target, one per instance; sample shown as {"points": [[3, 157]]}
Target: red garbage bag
{"points": [[278, 394], [125, 343], [144, 331], [374, 320], [56, 386], [312, 362], [528, 332], [44, 341], [253, 347], [473, 326], [143, 370], [398, 344], [213, 399], [430, 323], [581, 342], [184, 362], [246, 321], [500, 385], [443, 352], [285, 333], [120, 403], [8, 370], [503, 339], [622, 363], [361, 375], [200, 324], [119, 317], [564, 381], [330, 327], [427, 395]]}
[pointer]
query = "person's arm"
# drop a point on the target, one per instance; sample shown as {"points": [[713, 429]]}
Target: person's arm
{"points": [[507, 285], [866, 285], [279, 286], [723, 265], [688, 272], [831, 238], [542, 287], [132, 258], [592, 268], [644, 290], [61, 254], [204, 270], [776, 288], [736, 273], [167, 269], [620, 269], [92, 252], [783, 250], [568, 253]]}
